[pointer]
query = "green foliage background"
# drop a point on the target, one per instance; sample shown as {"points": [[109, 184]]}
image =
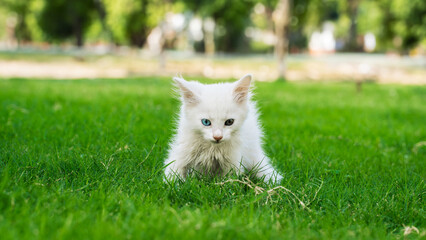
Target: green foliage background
{"points": [[398, 24]]}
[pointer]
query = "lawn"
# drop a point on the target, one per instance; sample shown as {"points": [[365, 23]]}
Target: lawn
{"points": [[83, 159]]}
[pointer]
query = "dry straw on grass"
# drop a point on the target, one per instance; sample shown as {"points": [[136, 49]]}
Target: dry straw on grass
{"points": [[410, 229], [275, 191]]}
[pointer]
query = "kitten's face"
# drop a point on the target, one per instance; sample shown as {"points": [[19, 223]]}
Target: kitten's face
{"points": [[217, 120], [216, 111]]}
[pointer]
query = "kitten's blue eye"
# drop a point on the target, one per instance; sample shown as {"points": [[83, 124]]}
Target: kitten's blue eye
{"points": [[206, 122], [229, 122]]}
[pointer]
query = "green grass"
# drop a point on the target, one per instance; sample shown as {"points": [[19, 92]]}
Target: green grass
{"points": [[83, 159]]}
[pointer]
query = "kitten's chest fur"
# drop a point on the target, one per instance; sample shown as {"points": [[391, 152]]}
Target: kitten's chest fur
{"points": [[211, 158]]}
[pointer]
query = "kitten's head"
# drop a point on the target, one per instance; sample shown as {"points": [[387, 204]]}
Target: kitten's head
{"points": [[215, 111]]}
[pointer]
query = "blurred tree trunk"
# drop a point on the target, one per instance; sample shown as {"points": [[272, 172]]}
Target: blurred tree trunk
{"points": [[100, 7], [353, 33], [389, 20], [21, 30], [137, 25], [78, 31], [208, 27], [162, 55], [21, 9], [281, 17]]}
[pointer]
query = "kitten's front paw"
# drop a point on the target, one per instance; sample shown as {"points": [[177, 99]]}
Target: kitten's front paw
{"points": [[169, 178], [171, 175], [274, 178]]}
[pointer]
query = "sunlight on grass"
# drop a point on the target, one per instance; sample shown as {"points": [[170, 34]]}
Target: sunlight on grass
{"points": [[84, 159]]}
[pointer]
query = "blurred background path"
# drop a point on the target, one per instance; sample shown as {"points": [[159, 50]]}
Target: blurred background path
{"points": [[379, 68]]}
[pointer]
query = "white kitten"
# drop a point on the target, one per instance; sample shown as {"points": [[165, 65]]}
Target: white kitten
{"points": [[218, 131]]}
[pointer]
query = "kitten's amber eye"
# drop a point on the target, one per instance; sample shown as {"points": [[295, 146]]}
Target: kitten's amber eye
{"points": [[206, 122], [229, 122]]}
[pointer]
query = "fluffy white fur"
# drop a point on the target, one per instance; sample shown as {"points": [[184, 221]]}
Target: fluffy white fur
{"points": [[195, 146]]}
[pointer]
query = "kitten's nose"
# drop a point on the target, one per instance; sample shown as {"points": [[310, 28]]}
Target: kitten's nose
{"points": [[217, 138], [217, 135]]}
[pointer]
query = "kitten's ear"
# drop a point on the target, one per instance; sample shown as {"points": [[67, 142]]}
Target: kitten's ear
{"points": [[187, 94], [242, 89]]}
